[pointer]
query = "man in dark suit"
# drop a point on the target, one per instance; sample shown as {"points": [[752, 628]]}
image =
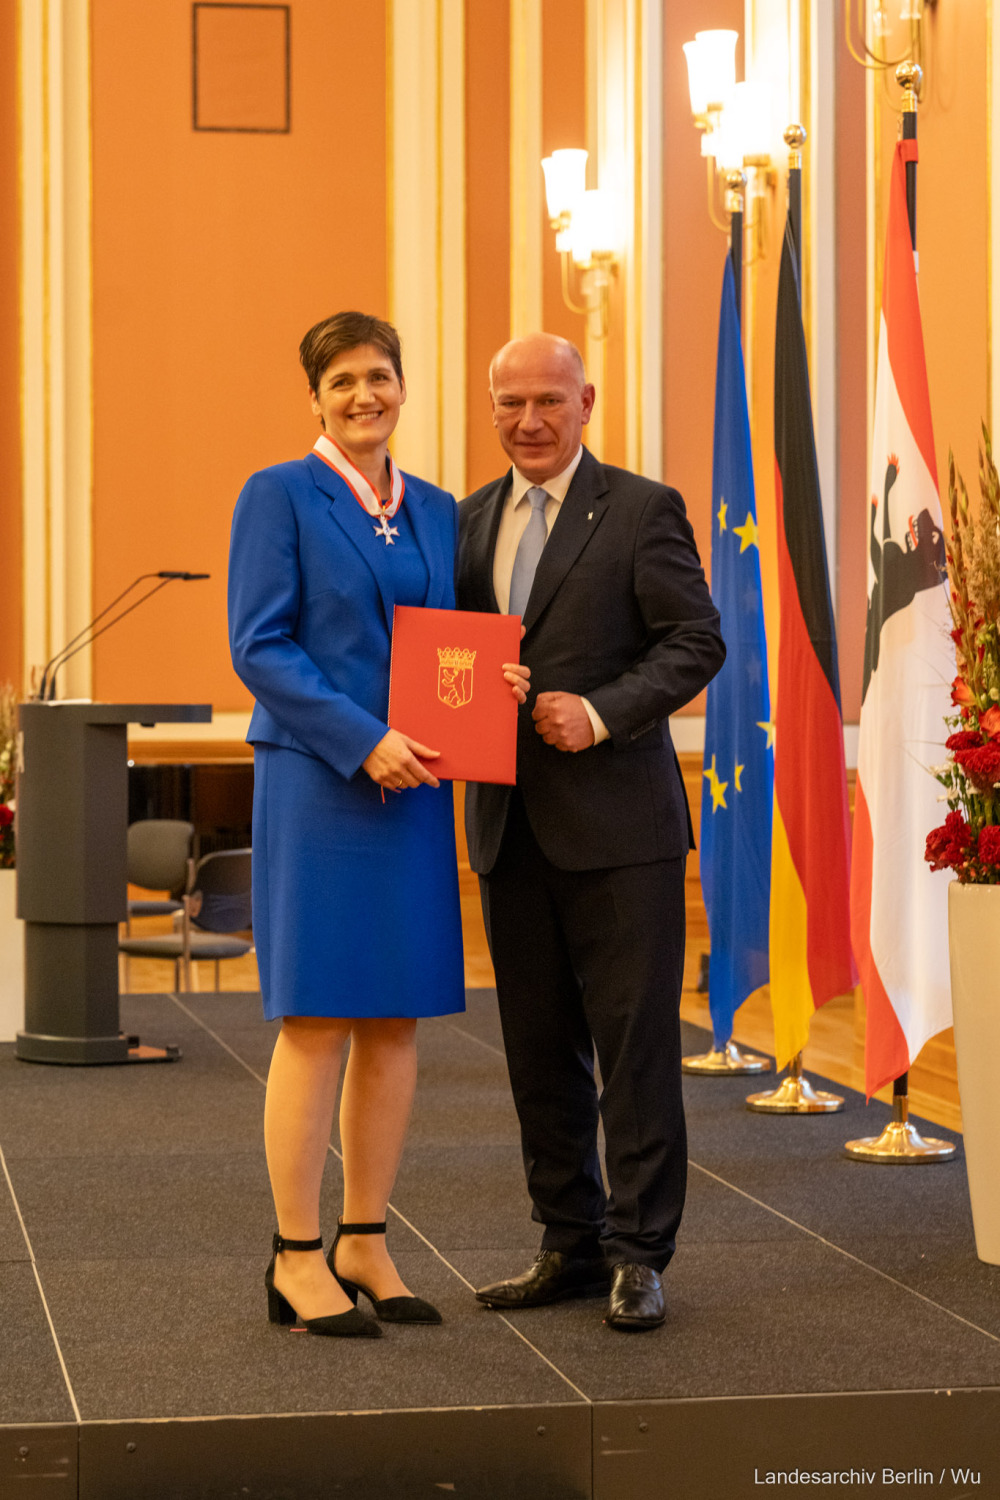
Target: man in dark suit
{"points": [[581, 865]]}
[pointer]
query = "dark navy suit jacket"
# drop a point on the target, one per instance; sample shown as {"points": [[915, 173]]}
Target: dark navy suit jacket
{"points": [[620, 613]]}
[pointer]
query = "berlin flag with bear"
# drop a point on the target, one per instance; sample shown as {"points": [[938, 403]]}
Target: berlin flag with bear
{"points": [[899, 922]]}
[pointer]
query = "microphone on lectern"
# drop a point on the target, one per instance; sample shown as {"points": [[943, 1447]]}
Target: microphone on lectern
{"points": [[47, 688]]}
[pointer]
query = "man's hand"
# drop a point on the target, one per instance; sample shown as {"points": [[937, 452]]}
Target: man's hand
{"points": [[519, 677], [562, 721]]}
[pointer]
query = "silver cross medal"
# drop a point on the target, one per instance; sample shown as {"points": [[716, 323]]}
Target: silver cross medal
{"points": [[385, 531]]}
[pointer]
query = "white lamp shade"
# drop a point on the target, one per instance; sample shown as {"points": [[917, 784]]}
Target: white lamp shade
{"points": [[725, 142], [597, 226], [565, 179], [711, 61], [749, 108]]}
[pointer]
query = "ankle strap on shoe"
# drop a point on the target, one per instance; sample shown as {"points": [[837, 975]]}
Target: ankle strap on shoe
{"points": [[343, 1228], [280, 1243]]}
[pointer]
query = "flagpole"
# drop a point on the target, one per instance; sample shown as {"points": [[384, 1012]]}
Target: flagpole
{"points": [[727, 1060], [795, 1095], [900, 1144], [736, 182], [795, 138]]}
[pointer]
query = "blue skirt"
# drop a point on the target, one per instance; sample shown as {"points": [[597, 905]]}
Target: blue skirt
{"points": [[355, 902]]}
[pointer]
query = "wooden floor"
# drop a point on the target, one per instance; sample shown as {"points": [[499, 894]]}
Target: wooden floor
{"points": [[836, 1044]]}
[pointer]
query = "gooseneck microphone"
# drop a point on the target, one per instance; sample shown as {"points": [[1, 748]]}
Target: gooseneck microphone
{"points": [[47, 688]]}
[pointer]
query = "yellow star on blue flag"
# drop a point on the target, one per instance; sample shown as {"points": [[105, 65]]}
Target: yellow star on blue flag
{"points": [[747, 533]]}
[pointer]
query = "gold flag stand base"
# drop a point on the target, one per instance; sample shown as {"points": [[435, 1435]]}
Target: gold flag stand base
{"points": [[726, 1060], [899, 1144], [795, 1095]]}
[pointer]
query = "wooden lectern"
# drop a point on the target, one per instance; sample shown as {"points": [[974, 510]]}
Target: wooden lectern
{"points": [[72, 820]]}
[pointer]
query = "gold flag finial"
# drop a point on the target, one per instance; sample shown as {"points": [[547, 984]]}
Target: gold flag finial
{"points": [[736, 181], [910, 77], [795, 138]]}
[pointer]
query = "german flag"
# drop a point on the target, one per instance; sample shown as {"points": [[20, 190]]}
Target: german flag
{"points": [[811, 957]]}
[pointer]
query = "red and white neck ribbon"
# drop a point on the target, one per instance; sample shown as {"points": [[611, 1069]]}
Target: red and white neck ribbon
{"points": [[363, 491]]}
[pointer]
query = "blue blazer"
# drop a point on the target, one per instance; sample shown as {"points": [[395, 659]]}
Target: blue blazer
{"points": [[310, 606]]}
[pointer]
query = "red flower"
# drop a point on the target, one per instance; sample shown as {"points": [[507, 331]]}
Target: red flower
{"points": [[982, 765], [989, 846], [957, 635], [6, 815], [989, 722], [961, 692], [965, 739], [948, 846]]}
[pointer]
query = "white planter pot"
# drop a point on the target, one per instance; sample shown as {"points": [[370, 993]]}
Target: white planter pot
{"points": [[973, 932], [11, 960]]}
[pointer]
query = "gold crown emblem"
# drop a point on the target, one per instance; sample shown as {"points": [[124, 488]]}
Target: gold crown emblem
{"points": [[455, 656]]}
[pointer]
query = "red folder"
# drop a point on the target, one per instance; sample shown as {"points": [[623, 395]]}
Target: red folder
{"points": [[446, 689]]}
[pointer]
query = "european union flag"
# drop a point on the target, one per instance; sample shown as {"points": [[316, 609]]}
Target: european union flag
{"points": [[739, 735]]}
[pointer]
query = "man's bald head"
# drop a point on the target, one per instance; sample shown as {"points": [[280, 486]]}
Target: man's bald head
{"points": [[541, 403], [539, 346]]}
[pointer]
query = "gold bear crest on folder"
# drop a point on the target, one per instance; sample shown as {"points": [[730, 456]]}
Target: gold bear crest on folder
{"points": [[455, 675]]}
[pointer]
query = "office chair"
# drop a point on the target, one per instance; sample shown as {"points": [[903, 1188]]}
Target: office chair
{"points": [[215, 904]]}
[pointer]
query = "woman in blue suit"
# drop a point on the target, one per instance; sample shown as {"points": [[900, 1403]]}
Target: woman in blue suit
{"points": [[355, 889]]}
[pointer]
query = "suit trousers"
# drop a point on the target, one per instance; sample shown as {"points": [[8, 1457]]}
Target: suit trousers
{"points": [[589, 959]]}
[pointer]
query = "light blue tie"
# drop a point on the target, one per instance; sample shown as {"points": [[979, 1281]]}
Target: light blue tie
{"points": [[529, 550]]}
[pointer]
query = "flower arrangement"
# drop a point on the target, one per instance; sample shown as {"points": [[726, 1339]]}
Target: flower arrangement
{"points": [[8, 734], [968, 841]]}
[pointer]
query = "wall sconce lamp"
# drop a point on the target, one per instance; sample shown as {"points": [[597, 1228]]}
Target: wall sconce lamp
{"points": [[914, 12], [588, 227], [735, 121]]}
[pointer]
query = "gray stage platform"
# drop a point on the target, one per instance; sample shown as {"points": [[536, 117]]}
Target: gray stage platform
{"points": [[823, 1315]]}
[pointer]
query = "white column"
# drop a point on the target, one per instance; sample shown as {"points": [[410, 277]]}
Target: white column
{"points": [[821, 243], [452, 414], [56, 341], [526, 186], [648, 52], [427, 233], [594, 348], [802, 90]]}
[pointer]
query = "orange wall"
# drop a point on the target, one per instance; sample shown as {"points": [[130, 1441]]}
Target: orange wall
{"points": [[10, 374], [694, 256], [952, 228], [212, 255], [487, 166]]}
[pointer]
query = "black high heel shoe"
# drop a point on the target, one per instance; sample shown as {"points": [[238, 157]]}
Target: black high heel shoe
{"points": [[345, 1325], [387, 1309]]}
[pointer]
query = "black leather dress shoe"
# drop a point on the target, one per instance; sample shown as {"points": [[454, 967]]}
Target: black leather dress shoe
{"points": [[636, 1300], [551, 1277]]}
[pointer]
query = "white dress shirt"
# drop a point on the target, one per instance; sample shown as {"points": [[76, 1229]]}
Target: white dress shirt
{"points": [[516, 511]]}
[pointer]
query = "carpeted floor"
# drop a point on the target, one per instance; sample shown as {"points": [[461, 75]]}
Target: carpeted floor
{"points": [[134, 1290]]}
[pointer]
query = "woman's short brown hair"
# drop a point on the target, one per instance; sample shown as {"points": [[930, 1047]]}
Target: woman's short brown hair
{"points": [[347, 330]]}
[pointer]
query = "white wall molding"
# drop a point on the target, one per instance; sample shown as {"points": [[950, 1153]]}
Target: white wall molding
{"points": [[688, 734], [426, 145], [56, 331], [993, 245]]}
